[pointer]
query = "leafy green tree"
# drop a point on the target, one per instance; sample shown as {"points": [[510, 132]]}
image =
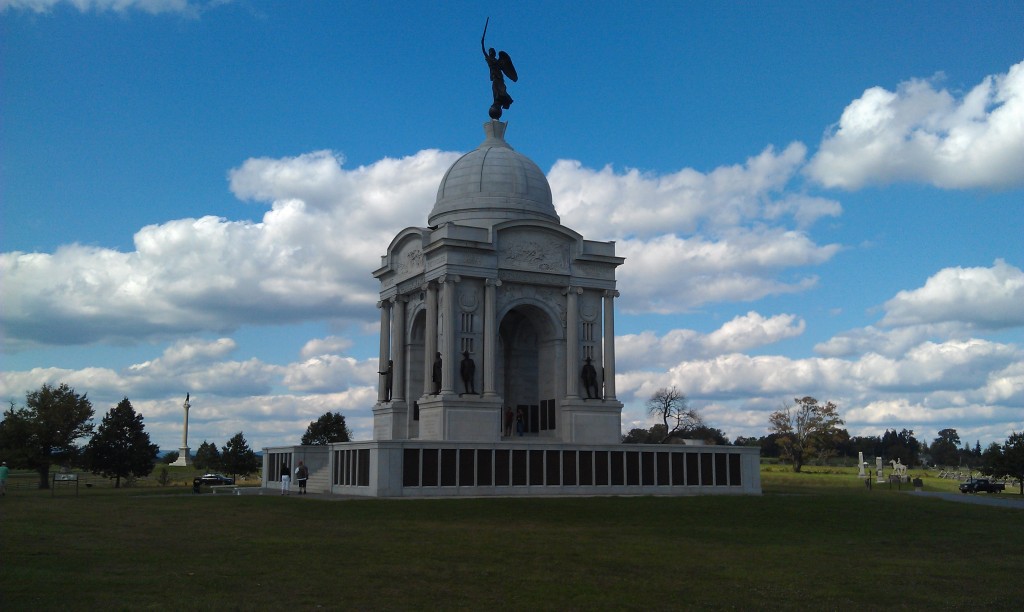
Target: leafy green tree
{"points": [[945, 449], [805, 430], [45, 431], [237, 458], [207, 456], [1012, 464], [992, 460], [170, 457], [121, 447], [901, 445], [330, 427]]}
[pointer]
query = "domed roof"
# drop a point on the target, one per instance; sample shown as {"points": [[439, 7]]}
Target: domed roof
{"points": [[492, 184]]}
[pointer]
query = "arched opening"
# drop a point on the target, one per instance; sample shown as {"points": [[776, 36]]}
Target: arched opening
{"points": [[528, 367], [414, 350]]}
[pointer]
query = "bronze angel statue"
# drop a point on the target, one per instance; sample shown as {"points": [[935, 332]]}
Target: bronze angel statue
{"points": [[500, 65]]}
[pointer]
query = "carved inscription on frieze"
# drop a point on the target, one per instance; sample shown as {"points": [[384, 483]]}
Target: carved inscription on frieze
{"points": [[533, 251], [409, 262], [592, 270]]}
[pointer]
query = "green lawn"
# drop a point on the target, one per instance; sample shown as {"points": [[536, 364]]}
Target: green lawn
{"points": [[813, 540]]}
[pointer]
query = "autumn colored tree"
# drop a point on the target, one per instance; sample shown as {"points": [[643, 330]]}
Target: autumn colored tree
{"points": [[805, 430]]}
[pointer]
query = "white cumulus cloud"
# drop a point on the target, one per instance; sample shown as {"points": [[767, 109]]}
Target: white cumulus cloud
{"points": [[924, 134], [189, 8]]}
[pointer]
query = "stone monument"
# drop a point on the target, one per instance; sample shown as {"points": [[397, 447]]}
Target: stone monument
{"points": [[879, 473], [860, 465], [184, 454], [494, 313], [496, 283]]}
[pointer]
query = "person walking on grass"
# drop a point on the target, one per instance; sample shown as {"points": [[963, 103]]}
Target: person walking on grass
{"points": [[3, 478], [285, 480]]}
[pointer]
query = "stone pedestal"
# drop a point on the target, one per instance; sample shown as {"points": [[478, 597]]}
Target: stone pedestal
{"points": [[184, 457], [467, 418], [591, 421], [390, 420]]}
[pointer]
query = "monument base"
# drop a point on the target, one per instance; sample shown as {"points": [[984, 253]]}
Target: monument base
{"points": [[390, 420], [184, 457], [591, 421], [466, 417]]}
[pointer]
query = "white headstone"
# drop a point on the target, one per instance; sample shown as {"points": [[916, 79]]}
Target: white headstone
{"points": [[860, 464]]}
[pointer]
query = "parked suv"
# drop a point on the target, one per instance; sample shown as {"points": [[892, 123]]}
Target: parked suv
{"points": [[216, 479]]}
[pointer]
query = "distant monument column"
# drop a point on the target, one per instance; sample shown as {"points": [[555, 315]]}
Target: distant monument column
{"points": [[448, 350], [860, 465], [430, 339], [184, 454], [609, 344], [398, 348], [490, 336], [385, 340], [572, 342]]}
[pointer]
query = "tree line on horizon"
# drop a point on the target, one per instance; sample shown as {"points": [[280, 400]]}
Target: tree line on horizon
{"points": [[808, 431], [49, 428]]}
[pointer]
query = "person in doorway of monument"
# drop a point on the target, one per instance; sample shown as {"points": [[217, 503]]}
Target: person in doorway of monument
{"points": [[387, 374], [286, 480], [3, 478], [468, 370], [520, 422], [436, 374], [510, 418], [589, 376], [301, 476]]}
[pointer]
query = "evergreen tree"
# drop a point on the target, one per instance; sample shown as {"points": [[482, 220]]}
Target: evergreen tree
{"points": [[207, 457], [45, 431], [330, 427], [121, 447], [1012, 463], [237, 458]]}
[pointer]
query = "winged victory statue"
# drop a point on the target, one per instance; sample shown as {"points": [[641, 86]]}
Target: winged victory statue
{"points": [[500, 65]]}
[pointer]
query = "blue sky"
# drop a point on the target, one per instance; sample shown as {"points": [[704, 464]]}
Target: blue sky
{"points": [[814, 198]]}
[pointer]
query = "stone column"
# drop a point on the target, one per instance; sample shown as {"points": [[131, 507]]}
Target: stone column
{"points": [[385, 341], [609, 344], [448, 350], [184, 434], [398, 348], [430, 338], [490, 336], [572, 342]]}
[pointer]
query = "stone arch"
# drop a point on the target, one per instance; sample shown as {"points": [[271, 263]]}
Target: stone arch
{"points": [[530, 360], [415, 348]]}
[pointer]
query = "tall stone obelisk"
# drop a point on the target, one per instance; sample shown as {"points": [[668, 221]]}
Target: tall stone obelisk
{"points": [[184, 456]]}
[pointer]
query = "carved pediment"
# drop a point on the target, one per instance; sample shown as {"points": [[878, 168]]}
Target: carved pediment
{"points": [[533, 250]]}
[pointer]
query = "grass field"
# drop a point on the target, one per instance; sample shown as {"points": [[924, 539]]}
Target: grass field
{"points": [[813, 540]]}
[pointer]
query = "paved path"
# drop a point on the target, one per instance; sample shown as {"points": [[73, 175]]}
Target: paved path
{"points": [[1001, 500]]}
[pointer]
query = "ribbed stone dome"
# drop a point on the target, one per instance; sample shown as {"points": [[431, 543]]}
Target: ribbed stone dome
{"points": [[492, 184]]}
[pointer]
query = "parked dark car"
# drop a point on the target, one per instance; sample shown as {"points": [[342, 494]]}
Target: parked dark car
{"points": [[978, 485], [216, 479]]}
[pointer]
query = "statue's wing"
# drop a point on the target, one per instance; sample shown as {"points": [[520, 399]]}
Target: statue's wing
{"points": [[505, 62]]}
